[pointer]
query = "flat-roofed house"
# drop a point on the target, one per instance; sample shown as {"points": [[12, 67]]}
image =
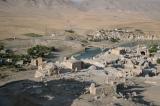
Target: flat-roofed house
{"points": [[73, 64]]}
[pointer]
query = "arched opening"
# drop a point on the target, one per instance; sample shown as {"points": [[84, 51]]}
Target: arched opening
{"points": [[143, 53]]}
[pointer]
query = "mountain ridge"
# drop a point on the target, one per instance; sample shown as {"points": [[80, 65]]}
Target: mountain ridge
{"points": [[130, 5]]}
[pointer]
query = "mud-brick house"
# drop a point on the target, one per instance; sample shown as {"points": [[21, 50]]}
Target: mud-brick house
{"points": [[118, 51], [73, 64]]}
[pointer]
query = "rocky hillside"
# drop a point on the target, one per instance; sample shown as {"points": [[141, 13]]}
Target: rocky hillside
{"points": [[149, 7], [35, 3]]}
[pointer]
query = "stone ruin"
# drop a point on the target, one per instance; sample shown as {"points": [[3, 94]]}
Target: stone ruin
{"points": [[92, 89], [113, 72], [130, 63], [118, 51], [46, 69], [37, 62], [142, 50], [73, 64], [102, 91], [122, 34]]}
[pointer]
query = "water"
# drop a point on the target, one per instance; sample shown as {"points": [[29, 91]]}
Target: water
{"points": [[88, 53]]}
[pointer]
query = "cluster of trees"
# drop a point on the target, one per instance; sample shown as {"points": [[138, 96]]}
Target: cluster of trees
{"points": [[40, 51], [10, 58]]}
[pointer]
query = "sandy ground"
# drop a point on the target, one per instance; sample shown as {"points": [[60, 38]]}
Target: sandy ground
{"points": [[16, 24], [152, 93], [148, 91]]}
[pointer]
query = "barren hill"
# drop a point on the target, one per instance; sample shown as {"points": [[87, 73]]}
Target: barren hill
{"points": [[33, 15], [124, 5]]}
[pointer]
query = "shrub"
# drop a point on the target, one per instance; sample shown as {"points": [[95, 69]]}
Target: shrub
{"points": [[158, 61], [33, 35], [153, 49], [25, 58], [9, 51], [70, 31], [114, 39], [139, 31]]}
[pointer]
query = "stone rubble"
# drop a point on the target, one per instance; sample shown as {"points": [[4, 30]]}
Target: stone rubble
{"points": [[108, 69], [120, 34]]}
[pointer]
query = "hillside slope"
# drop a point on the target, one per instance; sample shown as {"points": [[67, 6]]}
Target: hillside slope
{"points": [[128, 5], [22, 16]]}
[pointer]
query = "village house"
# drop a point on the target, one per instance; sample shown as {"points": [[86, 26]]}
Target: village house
{"points": [[118, 51], [73, 64], [46, 69]]}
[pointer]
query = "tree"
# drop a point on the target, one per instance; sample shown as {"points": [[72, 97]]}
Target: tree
{"points": [[38, 51]]}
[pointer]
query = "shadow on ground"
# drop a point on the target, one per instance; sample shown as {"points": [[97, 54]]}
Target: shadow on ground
{"points": [[139, 99], [31, 93]]}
